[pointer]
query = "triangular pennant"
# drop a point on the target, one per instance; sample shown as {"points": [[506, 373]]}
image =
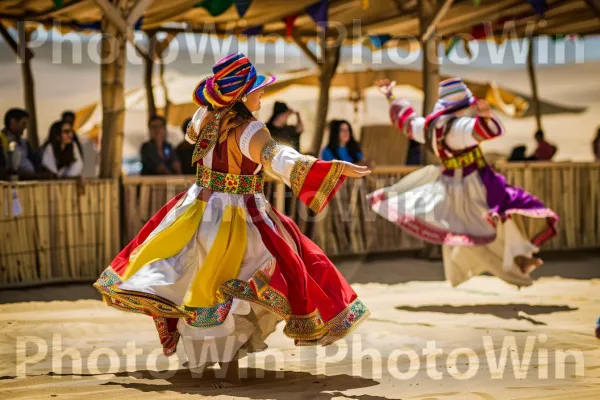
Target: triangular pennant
{"points": [[58, 3], [378, 41], [451, 45], [289, 24], [539, 6], [319, 12], [215, 7], [365, 4], [138, 24], [253, 30], [476, 3], [242, 6]]}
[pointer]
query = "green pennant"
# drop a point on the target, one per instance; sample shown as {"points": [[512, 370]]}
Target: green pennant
{"points": [[476, 3], [58, 3], [215, 7], [451, 45]]}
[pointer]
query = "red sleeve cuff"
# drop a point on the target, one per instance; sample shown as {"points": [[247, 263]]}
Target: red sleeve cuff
{"points": [[324, 179]]}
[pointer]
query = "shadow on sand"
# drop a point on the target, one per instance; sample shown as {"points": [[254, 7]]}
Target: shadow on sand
{"points": [[260, 383], [505, 311]]}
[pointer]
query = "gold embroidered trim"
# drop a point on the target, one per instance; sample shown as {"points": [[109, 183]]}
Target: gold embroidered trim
{"points": [[268, 153], [327, 186], [465, 160], [191, 132], [300, 172]]}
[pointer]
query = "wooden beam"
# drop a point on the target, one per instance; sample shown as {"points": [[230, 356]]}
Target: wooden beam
{"points": [[117, 19], [137, 11], [28, 88], [534, 90], [13, 44], [439, 14], [300, 43], [595, 6], [431, 71]]}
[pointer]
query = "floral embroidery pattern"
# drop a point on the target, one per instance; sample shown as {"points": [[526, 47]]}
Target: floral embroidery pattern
{"points": [[228, 183], [333, 176], [300, 172], [268, 153]]}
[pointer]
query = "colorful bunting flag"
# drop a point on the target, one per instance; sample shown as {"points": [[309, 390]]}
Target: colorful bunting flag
{"points": [[58, 3], [365, 4], [319, 13], [452, 44], [242, 6], [539, 6], [138, 24], [378, 41], [215, 7], [476, 3], [253, 30], [289, 24]]}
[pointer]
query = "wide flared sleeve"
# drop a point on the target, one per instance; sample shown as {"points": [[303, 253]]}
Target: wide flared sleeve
{"points": [[403, 117], [313, 181], [467, 132]]}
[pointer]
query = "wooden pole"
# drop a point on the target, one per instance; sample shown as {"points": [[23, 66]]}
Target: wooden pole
{"points": [[431, 80], [330, 60], [431, 68], [534, 90], [160, 52], [113, 100], [28, 86], [148, 71]]}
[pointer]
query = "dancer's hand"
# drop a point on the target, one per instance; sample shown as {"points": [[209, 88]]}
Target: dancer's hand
{"points": [[385, 87], [483, 109], [355, 171]]}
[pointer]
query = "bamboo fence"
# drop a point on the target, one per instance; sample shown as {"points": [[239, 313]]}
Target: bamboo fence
{"points": [[65, 234], [66, 231]]}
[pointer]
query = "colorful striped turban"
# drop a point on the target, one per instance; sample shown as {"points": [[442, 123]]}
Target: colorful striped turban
{"points": [[233, 77]]}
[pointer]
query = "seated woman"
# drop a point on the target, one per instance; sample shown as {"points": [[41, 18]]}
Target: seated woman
{"points": [[342, 145], [60, 155]]}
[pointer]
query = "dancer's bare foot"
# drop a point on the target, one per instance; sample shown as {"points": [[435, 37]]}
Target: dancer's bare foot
{"points": [[232, 375], [528, 264]]}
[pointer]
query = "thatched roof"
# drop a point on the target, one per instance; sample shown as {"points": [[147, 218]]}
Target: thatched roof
{"points": [[394, 17]]}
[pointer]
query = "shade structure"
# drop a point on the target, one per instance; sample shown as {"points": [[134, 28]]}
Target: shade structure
{"points": [[380, 17], [510, 103]]}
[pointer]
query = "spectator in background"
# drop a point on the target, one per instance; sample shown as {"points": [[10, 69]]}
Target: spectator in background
{"points": [[60, 155], [280, 130], [17, 156], [158, 156], [518, 154], [545, 151], [69, 117], [596, 146], [184, 151], [342, 145]]}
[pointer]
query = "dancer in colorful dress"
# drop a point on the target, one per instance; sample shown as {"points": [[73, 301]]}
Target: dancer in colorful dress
{"points": [[463, 204], [217, 265]]}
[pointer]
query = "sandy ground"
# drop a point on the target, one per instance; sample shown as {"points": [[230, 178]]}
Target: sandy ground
{"points": [[386, 358]]}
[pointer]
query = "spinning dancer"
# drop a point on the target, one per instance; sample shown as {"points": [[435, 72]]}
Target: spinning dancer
{"points": [[463, 204], [217, 264]]}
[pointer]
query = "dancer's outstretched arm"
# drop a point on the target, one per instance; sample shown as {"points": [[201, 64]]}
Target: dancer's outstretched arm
{"points": [[313, 181], [402, 114]]}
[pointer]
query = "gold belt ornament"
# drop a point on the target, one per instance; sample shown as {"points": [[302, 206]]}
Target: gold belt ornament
{"points": [[465, 160], [229, 183]]}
